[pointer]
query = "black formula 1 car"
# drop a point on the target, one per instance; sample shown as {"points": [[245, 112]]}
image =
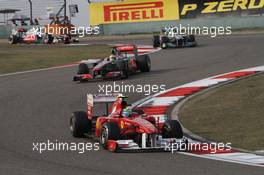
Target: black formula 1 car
{"points": [[123, 62], [173, 41]]}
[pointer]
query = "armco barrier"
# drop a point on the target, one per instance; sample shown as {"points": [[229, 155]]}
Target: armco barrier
{"points": [[150, 27], [4, 31], [147, 16]]}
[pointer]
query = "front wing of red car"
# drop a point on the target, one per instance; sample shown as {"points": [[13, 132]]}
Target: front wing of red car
{"points": [[158, 145]]}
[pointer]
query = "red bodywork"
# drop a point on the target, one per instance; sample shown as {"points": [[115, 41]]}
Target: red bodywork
{"points": [[135, 123], [131, 125], [123, 128], [30, 38]]}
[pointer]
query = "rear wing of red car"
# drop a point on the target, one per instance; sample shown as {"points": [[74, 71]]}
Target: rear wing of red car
{"points": [[102, 102]]}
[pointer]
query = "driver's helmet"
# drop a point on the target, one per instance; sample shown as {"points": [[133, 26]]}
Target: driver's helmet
{"points": [[124, 104], [163, 30], [112, 58], [126, 112]]}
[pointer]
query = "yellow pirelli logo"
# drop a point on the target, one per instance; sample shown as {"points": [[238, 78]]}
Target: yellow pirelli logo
{"points": [[133, 11], [223, 6]]}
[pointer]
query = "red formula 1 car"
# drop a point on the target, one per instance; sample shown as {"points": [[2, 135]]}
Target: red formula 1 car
{"points": [[120, 128], [123, 61], [38, 35]]}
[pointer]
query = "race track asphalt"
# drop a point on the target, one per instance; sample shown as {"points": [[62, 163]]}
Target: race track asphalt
{"points": [[36, 107]]}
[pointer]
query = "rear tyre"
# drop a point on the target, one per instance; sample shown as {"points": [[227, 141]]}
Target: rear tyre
{"points": [[191, 42], [83, 69], [163, 45], [156, 41], [109, 131], [181, 42], [144, 63], [172, 129], [13, 39], [80, 124], [123, 67], [67, 39], [191, 38], [164, 41], [48, 39]]}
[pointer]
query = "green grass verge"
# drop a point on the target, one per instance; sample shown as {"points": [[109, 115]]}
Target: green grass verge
{"points": [[231, 113], [14, 58]]}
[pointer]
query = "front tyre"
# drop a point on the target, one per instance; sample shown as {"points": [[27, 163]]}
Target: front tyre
{"points": [[13, 39], [164, 45], [156, 41], [172, 129], [110, 131], [48, 39], [83, 69], [125, 70], [80, 124], [144, 63]]}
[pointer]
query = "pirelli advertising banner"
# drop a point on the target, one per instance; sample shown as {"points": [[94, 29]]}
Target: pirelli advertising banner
{"points": [[127, 11], [203, 8], [133, 11]]}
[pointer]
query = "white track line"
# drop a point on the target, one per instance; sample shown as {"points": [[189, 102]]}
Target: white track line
{"points": [[38, 70], [236, 157], [220, 159], [63, 66]]}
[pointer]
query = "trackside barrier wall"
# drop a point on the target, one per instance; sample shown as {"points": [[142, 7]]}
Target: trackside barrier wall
{"points": [[146, 16], [4, 31], [149, 27]]}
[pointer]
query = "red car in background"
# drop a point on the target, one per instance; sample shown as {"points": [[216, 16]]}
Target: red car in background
{"points": [[50, 34]]}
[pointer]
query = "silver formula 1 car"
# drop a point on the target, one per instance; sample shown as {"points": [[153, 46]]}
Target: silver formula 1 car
{"points": [[123, 62], [173, 41]]}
